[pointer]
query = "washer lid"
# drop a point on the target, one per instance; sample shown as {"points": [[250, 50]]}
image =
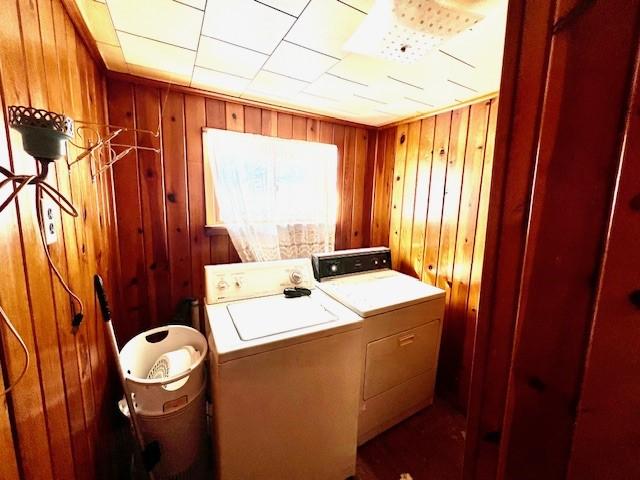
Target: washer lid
{"points": [[262, 317]]}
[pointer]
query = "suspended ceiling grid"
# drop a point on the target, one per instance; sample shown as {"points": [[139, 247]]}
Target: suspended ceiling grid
{"points": [[290, 53]]}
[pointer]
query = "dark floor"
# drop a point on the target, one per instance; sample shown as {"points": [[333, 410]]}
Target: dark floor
{"points": [[426, 446]]}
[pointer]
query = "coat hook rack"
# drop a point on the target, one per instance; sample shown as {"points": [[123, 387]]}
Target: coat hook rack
{"points": [[103, 144]]}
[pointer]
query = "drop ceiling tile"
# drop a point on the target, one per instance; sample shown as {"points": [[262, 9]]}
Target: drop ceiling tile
{"points": [[325, 26], [228, 58], [330, 86], [362, 69], [218, 82], [199, 4], [168, 21], [98, 20], [362, 5], [161, 56], [274, 84], [404, 108], [298, 62], [292, 7], [112, 56], [246, 23]]}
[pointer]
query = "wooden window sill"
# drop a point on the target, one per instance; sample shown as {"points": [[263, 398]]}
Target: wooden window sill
{"points": [[213, 230]]}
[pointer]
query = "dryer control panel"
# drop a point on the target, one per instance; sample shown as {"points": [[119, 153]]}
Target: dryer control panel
{"points": [[345, 262]]}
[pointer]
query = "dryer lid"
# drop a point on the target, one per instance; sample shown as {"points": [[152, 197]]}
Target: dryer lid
{"points": [[373, 293], [262, 317]]}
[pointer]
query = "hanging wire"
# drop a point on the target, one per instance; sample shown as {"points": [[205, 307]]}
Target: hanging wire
{"points": [[43, 188], [12, 328]]}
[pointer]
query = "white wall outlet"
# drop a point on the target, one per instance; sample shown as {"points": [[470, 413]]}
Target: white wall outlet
{"points": [[48, 213]]}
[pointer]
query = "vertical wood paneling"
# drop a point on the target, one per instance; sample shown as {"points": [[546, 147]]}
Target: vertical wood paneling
{"points": [[459, 326], [348, 187], [252, 120], [478, 249], [338, 140], [439, 167], [234, 117], [408, 197], [59, 411], [423, 183], [152, 195], [397, 193], [299, 128], [195, 118], [436, 196], [359, 180], [135, 305], [161, 202], [285, 125], [177, 204]]}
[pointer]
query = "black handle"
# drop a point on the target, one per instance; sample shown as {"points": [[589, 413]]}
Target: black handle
{"points": [[102, 297]]}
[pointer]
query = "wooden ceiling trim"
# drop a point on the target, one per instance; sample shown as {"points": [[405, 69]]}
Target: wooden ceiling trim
{"points": [[125, 77], [82, 29]]}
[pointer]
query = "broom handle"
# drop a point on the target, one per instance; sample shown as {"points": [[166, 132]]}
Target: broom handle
{"points": [[106, 316]]}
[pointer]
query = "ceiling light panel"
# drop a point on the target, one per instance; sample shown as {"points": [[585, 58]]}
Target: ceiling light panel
{"points": [[168, 21], [406, 30], [246, 23], [157, 55], [325, 26], [292, 7], [272, 83], [217, 81], [228, 58], [298, 62]]}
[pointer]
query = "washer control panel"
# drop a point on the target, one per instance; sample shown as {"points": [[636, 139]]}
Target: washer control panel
{"points": [[239, 281], [345, 262]]}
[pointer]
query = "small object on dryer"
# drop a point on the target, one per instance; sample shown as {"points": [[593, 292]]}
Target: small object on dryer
{"points": [[296, 292]]}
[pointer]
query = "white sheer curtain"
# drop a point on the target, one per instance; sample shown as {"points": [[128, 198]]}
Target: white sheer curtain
{"points": [[276, 197]]}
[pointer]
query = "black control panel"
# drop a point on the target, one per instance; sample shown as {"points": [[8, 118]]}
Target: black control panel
{"points": [[343, 262]]}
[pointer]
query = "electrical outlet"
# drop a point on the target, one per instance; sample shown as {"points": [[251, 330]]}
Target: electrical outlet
{"points": [[48, 212]]}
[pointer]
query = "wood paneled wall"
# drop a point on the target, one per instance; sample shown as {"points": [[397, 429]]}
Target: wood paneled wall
{"points": [[554, 388], [56, 422], [431, 192], [160, 197]]}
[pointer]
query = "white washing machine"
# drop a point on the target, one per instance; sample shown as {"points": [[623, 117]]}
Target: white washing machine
{"points": [[401, 334], [285, 374]]}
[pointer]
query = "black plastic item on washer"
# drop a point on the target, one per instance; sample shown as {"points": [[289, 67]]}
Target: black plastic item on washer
{"points": [[296, 292]]}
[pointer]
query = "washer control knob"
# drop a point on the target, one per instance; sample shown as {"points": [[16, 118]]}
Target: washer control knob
{"points": [[334, 268], [238, 282], [296, 277], [222, 285]]}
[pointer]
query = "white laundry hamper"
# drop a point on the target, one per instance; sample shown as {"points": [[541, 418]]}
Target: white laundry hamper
{"points": [[165, 372]]}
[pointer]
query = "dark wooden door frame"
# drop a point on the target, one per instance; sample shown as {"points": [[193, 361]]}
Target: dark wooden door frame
{"points": [[566, 78]]}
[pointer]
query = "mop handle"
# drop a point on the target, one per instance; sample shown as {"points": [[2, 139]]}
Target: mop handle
{"points": [[106, 316]]}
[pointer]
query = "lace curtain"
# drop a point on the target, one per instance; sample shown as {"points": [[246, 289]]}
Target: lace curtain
{"points": [[276, 197]]}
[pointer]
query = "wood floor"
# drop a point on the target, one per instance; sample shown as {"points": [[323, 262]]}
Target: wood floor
{"points": [[427, 446]]}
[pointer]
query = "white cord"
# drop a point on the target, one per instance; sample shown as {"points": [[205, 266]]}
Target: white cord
{"points": [[6, 320]]}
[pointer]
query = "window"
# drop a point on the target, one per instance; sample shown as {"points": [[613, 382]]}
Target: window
{"points": [[276, 197]]}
